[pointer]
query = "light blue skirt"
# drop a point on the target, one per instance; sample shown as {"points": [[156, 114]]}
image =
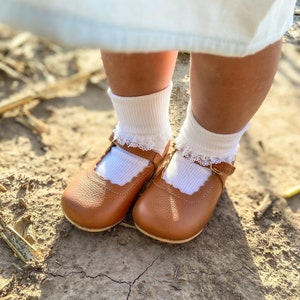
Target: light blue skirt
{"points": [[221, 27]]}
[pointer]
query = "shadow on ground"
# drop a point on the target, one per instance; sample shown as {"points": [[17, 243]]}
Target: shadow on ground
{"points": [[124, 264]]}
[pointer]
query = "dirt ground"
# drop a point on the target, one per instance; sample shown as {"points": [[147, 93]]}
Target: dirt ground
{"points": [[235, 257]]}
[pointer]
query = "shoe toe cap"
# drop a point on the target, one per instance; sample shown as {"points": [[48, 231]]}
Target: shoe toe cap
{"points": [[159, 216], [89, 207]]}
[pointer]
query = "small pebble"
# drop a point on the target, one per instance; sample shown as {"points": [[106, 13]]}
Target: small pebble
{"points": [[122, 242]]}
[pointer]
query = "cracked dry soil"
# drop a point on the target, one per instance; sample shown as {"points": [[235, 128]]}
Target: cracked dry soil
{"points": [[235, 257]]}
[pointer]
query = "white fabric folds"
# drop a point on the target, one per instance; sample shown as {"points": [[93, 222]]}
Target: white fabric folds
{"points": [[221, 27]]}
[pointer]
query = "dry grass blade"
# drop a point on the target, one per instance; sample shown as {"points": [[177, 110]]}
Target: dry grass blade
{"points": [[21, 248], [291, 192], [15, 42], [3, 189], [263, 207], [44, 90], [123, 224], [33, 123], [14, 74]]}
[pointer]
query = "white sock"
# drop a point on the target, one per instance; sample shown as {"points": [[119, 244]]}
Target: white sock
{"points": [[143, 122], [185, 175], [195, 143], [120, 166]]}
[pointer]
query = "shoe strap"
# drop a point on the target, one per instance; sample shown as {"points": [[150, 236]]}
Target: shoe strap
{"points": [[222, 170], [154, 157]]}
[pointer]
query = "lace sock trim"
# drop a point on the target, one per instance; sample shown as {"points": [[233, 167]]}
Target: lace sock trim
{"points": [[189, 154], [148, 142]]}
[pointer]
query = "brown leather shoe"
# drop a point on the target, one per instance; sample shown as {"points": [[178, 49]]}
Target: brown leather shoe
{"points": [[92, 203], [168, 215]]}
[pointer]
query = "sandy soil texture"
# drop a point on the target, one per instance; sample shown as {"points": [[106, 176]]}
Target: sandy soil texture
{"points": [[235, 257]]}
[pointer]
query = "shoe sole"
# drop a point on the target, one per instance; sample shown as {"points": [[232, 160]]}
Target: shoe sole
{"points": [[141, 230], [166, 240], [89, 229]]}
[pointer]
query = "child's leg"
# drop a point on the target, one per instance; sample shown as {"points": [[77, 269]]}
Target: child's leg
{"points": [[225, 94], [138, 74], [140, 88], [227, 91]]}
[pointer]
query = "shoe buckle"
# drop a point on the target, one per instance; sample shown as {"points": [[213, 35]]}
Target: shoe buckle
{"points": [[213, 169], [227, 169]]}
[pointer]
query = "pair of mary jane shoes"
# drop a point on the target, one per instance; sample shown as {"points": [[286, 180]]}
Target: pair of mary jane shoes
{"points": [[160, 211]]}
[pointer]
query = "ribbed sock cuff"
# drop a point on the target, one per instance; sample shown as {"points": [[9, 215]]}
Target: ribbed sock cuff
{"points": [[143, 121], [198, 144]]}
